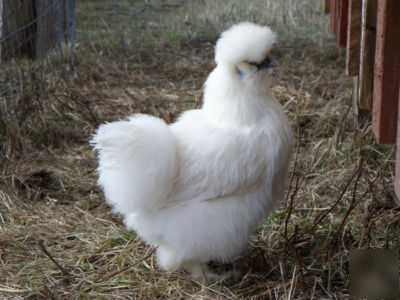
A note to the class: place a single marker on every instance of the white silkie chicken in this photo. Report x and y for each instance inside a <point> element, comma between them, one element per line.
<point>196,189</point>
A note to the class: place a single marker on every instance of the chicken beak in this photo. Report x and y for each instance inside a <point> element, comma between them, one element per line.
<point>272,64</point>
<point>267,63</point>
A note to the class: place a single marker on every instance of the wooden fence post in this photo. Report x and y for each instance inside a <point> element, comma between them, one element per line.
<point>343,15</point>
<point>353,38</point>
<point>333,19</point>
<point>16,29</point>
<point>367,56</point>
<point>397,178</point>
<point>387,72</point>
<point>49,25</point>
<point>325,6</point>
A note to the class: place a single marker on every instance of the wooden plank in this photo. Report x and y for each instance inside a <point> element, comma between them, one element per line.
<point>387,72</point>
<point>367,54</point>
<point>1,24</point>
<point>397,177</point>
<point>353,38</point>
<point>333,20</point>
<point>325,6</point>
<point>342,18</point>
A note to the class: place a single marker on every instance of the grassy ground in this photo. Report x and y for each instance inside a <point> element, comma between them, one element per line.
<point>58,238</point>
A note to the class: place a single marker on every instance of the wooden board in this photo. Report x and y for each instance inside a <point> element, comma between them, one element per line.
<point>353,38</point>
<point>397,178</point>
<point>387,72</point>
<point>341,27</point>
<point>367,54</point>
<point>333,16</point>
<point>325,6</point>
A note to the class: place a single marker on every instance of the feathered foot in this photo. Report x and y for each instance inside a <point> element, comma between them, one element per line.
<point>200,271</point>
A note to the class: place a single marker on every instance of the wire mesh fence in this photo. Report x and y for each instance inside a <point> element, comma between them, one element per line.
<point>32,35</point>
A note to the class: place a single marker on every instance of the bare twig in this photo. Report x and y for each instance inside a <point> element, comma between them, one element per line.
<point>295,160</point>
<point>299,262</point>
<point>320,217</point>
<point>299,182</point>
<point>352,205</point>
<point>47,253</point>
<point>371,223</point>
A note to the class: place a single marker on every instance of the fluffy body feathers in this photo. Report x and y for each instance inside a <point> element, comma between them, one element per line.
<point>196,188</point>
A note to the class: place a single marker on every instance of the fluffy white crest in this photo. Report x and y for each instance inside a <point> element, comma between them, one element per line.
<point>244,42</point>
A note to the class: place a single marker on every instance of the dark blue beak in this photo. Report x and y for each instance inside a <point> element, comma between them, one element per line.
<point>272,64</point>
<point>267,63</point>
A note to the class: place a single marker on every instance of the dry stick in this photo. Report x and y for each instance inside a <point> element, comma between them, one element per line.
<point>64,105</point>
<point>101,279</point>
<point>292,285</point>
<point>296,155</point>
<point>349,210</point>
<point>86,105</point>
<point>299,262</point>
<point>295,160</point>
<point>89,110</point>
<point>91,113</point>
<point>369,228</point>
<point>13,291</point>
<point>342,125</point>
<point>335,238</point>
<point>289,213</point>
<point>292,245</point>
<point>323,215</point>
<point>61,268</point>
<point>298,185</point>
<point>354,202</point>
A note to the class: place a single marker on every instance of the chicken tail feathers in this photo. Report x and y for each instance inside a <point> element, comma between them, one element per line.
<point>136,162</point>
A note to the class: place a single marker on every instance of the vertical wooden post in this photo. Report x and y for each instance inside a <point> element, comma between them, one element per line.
<point>14,16</point>
<point>338,20</point>
<point>1,27</point>
<point>353,38</point>
<point>341,29</point>
<point>333,19</point>
<point>387,72</point>
<point>353,47</point>
<point>325,6</point>
<point>397,178</point>
<point>367,56</point>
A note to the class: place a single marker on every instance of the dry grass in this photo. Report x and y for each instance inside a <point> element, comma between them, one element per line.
<point>58,238</point>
